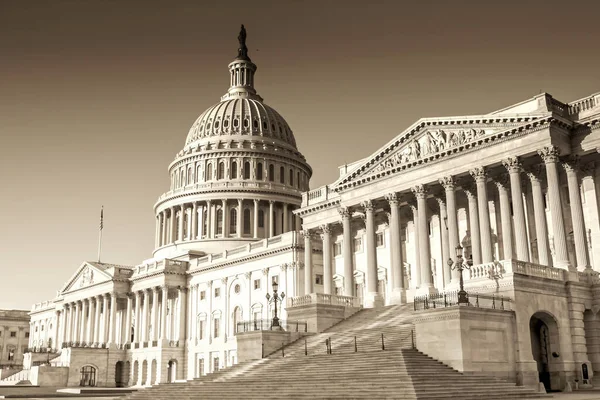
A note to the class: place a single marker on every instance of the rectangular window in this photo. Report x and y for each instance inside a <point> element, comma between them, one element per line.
<point>380,242</point>
<point>357,245</point>
<point>201,367</point>
<point>217,323</point>
<point>217,292</point>
<point>338,291</point>
<point>13,334</point>
<point>26,334</point>
<point>275,279</point>
<point>201,330</point>
<point>318,279</point>
<point>216,364</point>
<point>256,284</point>
<point>337,249</point>
<point>203,295</point>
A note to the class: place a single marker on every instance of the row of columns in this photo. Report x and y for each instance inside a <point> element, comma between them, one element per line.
<point>92,320</point>
<point>479,225</point>
<point>191,224</point>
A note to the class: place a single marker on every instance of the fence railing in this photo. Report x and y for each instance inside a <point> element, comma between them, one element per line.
<point>322,298</point>
<point>450,299</point>
<point>83,345</point>
<point>39,350</point>
<point>267,325</point>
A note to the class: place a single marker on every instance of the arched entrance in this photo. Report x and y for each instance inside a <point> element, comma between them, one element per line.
<point>171,371</point>
<point>545,348</point>
<point>144,372</point>
<point>237,317</point>
<point>153,372</point>
<point>119,374</point>
<point>135,372</point>
<point>87,376</point>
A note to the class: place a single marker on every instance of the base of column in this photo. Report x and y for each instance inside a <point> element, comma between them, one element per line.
<point>398,296</point>
<point>373,300</point>
<point>426,291</point>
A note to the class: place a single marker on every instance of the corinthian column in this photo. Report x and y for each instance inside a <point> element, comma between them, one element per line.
<point>346,215</point>
<point>420,192</point>
<point>90,327</point>
<point>487,255</point>
<point>113,319</point>
<point>145,298</point>
<point>505,217</point>
<point>327,268</point>
<point>571,166</point>
<point>416,275</point>
<point>474,225</point>
<point>255,222</point>
<point>513,166</point>
<point>194,231</point>
<point>127,324</point>
<point>308,264</point>
<point>453,240</point>
<point>173,226</point>
<point>271,218</point>
<point>374,299</point>
<point>163,312</point>
<point>97,300</point>
<point>240,219</point>
<point>396,271</point>
<point>550,156</point>
<point>447,270</point>
<point>539,210</point>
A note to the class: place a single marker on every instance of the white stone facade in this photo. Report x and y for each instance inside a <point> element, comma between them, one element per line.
<point>518,188</point>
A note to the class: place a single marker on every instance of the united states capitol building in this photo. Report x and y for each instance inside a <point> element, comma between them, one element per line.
<point>516,190</point>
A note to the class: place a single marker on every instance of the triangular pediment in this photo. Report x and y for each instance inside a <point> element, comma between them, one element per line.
<point>432,139</point>
<point>87,274</point>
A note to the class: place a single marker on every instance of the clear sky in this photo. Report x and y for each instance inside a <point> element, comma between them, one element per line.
<point>96,98</point>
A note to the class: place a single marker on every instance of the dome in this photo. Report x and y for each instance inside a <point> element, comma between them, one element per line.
<point>243,116</point>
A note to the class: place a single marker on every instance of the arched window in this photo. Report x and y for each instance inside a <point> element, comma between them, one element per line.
<point>205,222</point>
<point>291,177</point>
<point>208,172</point>
<point>261,219</point>
<point>190,177</point>
<point>234,170</point>
<point>182,177</point>
<point>176,180</point>
<point>233,221</point>
<point>259,171</point>
<point>271,173</point>
<point>219,221</point>
<point>247,221</point>
<point>198,173</point>
<point>246,170</point>
<point>221,171</point>
<point>237,317</point>
<point>281,175</point>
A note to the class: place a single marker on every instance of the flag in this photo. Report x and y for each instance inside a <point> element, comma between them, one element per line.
<point>102,218</point>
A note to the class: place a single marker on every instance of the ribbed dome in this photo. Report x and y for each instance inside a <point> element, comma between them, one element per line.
<point>239,117</point>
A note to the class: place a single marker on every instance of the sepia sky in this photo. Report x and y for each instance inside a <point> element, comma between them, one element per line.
<point>96,98</point>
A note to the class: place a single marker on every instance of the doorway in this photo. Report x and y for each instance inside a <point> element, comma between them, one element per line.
<point>87,376</point>
<point>544,347</point>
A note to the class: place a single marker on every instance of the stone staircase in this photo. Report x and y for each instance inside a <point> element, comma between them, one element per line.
<point>372,357</point>
<point>19,378</point>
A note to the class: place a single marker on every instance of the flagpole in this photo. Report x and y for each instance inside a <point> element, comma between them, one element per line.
<point>100,236</point>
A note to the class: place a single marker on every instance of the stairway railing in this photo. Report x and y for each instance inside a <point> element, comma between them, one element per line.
<point>450,299</point>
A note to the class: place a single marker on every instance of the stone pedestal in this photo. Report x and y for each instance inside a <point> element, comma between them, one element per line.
<point>258,344</point>
<point>398,296</point>
<point>320,316</point>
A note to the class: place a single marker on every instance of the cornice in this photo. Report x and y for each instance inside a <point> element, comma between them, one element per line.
<point>317,207</point>
<point>481,142</point>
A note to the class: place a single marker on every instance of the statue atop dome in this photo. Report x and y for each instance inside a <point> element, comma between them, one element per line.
<point>242,50</point>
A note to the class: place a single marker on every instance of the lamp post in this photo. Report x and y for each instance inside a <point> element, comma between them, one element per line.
<point>459,265</point>
<point>274,299</point>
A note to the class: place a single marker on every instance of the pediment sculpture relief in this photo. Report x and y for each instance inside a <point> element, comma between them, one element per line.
<point>430,142</point>
<point>87,277</point>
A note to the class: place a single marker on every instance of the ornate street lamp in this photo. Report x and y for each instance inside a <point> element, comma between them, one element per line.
<point>274,299</point>
<point>459,265</point>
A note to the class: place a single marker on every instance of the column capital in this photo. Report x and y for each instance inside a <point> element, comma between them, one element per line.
<point>265,271</point>
<point>535,173</point>
<point>224,280</point>
<point>501,181</point>
<point>271,202</point>
<point>420,191</point>
<point>512,164</point>
<point>306,234</point>
<point>479,174</point>
<point>155,289</point>
<point>393,199</point>
<point>571,164</point>
<point>325,230</point>
<point>549,154</point>
<point>448,182</point>
<point>345,212</point>
<point>367,206</point>
<point>256,201</point>
<point>470,190</point>
<point>284,266</point>
<point>440,197</point>
<point>248,275</point>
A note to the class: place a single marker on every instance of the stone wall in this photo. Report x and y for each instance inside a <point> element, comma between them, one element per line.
<point>49,376</point>
<point>469,339</point>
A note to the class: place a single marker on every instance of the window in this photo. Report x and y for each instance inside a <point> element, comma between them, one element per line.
<point>291,177</point>
<point>275,279</point>
<point>281,175</point>
<point>208,172</point>
<point>246,123</point>
<point>217,292</point>
<point>259,171</point>
<point>318,279</point>
<point>221,171</point>
<point>36,328</point>
<point>26,334</point>
<point>247,221</point>
<point>13,334</point>
<point>236,122</point>
<point>42,328</point>
<point>271,173</point>
<point>298,179</point>
<point>380,242</point>
<point>255,124</point>
<point>256,284</point>
<point>217,323</point>
<point>219,222</point>
<point>190,176</point>
<point>201,362</point>
<point>237,289</point>
<point>11,354</point>
<point>216,363</point>
<point>338,291</point>
<point>246,170</point>
<point>357,244</point>
<point>201,329</point>
<point>226,123</point>
<point>337,249</point>
<point>261,219</point>
<point>233,221</point>
<point>234,170</point>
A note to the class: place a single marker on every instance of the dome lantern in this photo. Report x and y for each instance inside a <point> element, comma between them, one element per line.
<point>241,70</point>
